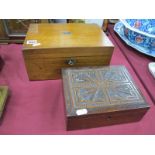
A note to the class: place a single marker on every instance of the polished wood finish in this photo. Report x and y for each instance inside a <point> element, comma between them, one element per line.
<point>110,118</point>
<point>3,97</point>
<point>98,96</point>
<point>56,45</point>
<point>66,35</point>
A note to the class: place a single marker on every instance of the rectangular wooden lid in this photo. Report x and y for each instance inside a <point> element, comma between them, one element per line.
<point>65,35</point>
<point>94,90</point>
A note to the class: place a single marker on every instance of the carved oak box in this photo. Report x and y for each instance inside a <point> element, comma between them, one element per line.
<point>49,47</point>
<point>98,96</point>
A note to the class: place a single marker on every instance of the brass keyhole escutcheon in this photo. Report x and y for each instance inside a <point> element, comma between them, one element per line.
<point>71,61</point>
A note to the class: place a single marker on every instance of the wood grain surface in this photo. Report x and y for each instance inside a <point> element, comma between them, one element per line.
<point>56,44</point>
<point>66,35</point>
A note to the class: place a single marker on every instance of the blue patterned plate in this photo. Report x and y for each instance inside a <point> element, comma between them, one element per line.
<point>119,29</point>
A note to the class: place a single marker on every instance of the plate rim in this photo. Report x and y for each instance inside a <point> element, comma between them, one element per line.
<point>128,42</point>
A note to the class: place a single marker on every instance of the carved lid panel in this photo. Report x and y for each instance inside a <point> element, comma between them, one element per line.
<point>100,89</point>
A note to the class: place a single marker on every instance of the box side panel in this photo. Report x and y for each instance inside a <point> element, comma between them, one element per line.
<point>47,63</point>
<point>111,118</point>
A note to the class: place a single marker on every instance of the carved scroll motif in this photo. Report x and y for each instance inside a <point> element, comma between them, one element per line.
<point>97,87</point>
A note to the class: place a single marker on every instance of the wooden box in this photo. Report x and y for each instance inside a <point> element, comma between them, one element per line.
<point>50,47</point>
<point>98,96</point>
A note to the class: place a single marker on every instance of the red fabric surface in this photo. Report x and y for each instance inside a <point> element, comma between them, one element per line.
<point>37,107</point>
